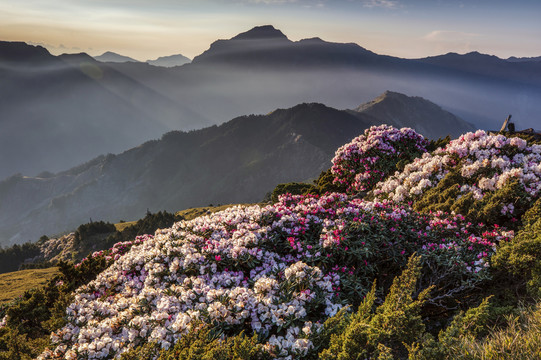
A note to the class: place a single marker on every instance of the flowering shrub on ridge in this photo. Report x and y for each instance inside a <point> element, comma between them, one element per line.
<point>489,178</point>
<point>371,157</point>
<point>280,271</point>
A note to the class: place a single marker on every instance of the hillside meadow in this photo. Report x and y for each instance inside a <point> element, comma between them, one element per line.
<point>14,284</point>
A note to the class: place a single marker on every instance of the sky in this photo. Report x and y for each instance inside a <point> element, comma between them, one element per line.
<point>147,29</point>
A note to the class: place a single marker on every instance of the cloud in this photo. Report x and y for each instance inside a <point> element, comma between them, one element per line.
<point>450,36</point>
<point>389,4</point>
<point>54,49</point>
<point>271,2</point>
<point>448,40</point>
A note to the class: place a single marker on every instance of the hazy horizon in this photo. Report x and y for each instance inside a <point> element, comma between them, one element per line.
<point>147,30</point>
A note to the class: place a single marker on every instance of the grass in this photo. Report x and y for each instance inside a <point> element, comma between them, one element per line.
<point>121,226</point>
<point>15,283</point>
<point>520,340</point>
<point>192,213</point>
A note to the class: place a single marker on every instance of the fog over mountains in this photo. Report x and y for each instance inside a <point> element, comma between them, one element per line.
<point>59,111</point>
<point>238,161</point>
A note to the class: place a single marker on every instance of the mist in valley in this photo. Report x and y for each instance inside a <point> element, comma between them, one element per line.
<point>58,112</point>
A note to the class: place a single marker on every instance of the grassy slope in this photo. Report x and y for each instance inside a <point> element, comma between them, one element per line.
<point>15,283</point>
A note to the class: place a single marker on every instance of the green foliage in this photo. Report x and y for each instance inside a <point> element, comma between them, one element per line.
<point>470,324</point>
<point>11,258</point>
<point>293,188</point>
<point>519,340</point>
<point>440,143</point>
<point>91,229</point>
<point>522,255</point>
<point>395,330</point>
<point>529,137</point>
<point>147,225</point>
<point>325,183</point>
<point>443,197</point>
<point>16,346</point>
<point>201,343</point>
<point>386,332</point>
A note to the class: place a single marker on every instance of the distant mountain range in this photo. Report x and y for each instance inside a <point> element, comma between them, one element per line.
<point>110,56</point>
<point>238,161</point>
<point>170,61</point>
<point>524,59</point>
<point>57,112</point>
<point>165,61</point>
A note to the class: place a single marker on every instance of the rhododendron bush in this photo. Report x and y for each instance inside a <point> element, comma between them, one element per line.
<point>488,178</point>
<point>369,158</point>
<point>278,271</point>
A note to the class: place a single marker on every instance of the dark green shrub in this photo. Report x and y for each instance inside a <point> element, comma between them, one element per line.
<point>522,255</point>
<point>12,257</point>
<point>387,331</point>
<point>203,344</point>
<point>293,188</point>
<point>440,143</point>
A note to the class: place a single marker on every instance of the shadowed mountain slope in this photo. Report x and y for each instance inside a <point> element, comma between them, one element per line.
<point>57,111</point>
<point>425,117</point>
<point>77,108</point>
<point>236,162</point>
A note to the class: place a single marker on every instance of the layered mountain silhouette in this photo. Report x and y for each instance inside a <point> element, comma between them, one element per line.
<point>266,46</point>
<point>59,111</point>
<point>169,61</point>
<point>523,59</point>
<point>238,161</point>
<point>110,56</point>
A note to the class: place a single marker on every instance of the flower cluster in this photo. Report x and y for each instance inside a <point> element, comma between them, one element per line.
<point>278,270</point>
<point>369,158</point>
<point>482,164</point>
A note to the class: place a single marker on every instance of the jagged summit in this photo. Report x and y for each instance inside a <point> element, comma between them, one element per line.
<point>261,32</point>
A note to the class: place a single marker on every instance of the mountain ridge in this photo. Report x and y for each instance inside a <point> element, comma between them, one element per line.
<point>243,159</point>
<point>170,60</point>
<point>110,56</point>
<point>425,117</point>
<point>119,105</point>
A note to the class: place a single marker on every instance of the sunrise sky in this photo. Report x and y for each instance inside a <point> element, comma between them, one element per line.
<point>146,29</point>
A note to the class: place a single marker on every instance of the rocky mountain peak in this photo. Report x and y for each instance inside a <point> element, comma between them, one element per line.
<point>261,33</point>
